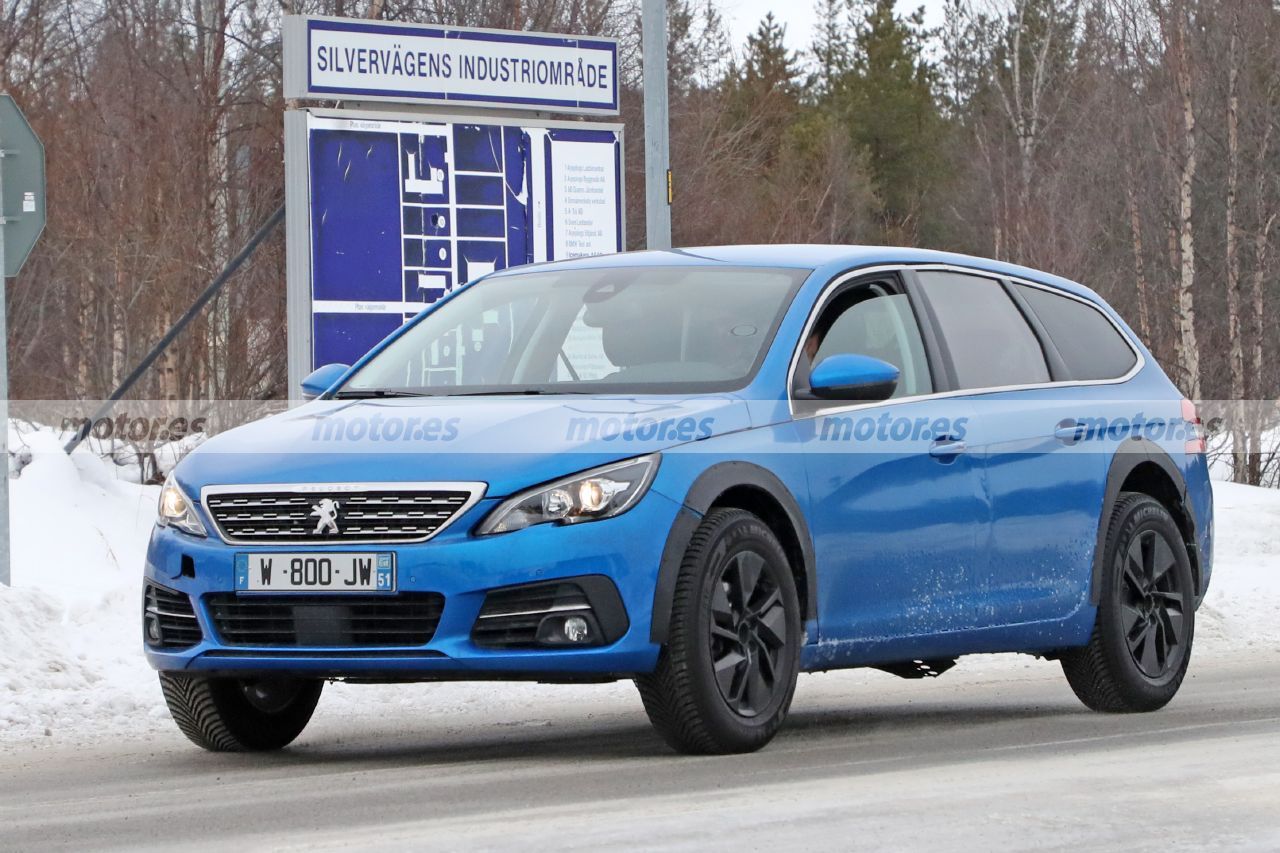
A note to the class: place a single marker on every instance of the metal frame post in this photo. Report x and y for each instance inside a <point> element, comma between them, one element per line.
<point>657,153</point>
<point>297,252</point>
<point>5,577</point>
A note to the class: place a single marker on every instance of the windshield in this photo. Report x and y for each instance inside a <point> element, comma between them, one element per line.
<point>624,330</point>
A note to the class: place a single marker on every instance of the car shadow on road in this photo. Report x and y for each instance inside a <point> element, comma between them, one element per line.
<point>907,728</point>
<point>913,718</point>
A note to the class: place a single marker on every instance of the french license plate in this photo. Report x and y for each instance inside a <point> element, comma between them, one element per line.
<point>316,572</point>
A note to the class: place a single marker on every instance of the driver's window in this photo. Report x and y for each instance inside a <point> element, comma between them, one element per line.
<point>475,353</point>
<point>873,320</point>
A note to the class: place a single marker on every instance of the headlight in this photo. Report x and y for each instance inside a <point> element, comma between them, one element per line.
<point>177,511</point>
<point>590,496</point>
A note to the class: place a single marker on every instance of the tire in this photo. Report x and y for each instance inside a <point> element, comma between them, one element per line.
<point>240,715</point>
<point>1141,643</point>
<point>756,639</point>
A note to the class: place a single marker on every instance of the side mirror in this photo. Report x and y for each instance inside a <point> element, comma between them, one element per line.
<point>853,377</point>
<point>321,379</point>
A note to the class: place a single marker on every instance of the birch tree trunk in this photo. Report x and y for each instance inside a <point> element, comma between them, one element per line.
<point>1139,265</point>
<point>1261,258</point>
<point>1188,347</point>
<point>1235,355</point>
<point>1023,100</point>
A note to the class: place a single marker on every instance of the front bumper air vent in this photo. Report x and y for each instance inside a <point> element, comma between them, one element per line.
<point>337,621</point>
<point>168,619</point>
<point>575,612</point>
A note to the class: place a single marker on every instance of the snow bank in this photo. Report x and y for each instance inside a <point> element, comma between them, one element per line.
<point>1242,609</point>
<point>69,635</point>
<point>71,665</point>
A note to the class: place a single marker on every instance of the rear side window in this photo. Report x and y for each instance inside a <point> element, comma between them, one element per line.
<point>1090,345</point>
<point>990,343</point>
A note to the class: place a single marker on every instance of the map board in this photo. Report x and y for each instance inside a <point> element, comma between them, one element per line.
<point>398,211</point>
<point>428,177</point>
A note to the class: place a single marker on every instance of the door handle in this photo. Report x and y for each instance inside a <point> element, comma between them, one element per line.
<point>1069,431</point>
<point>944,447</point>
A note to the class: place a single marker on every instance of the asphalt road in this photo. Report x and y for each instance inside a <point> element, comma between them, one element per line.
<point>1000,757</point>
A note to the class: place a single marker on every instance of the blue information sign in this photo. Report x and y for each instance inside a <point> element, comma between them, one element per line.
<point>365,60</point>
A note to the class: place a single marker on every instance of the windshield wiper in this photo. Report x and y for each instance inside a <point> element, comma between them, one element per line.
<point>370,393</point>
<point>516,392</point>
<point>373,393</point>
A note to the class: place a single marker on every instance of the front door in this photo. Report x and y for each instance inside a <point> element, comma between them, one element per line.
<point>897,504</point>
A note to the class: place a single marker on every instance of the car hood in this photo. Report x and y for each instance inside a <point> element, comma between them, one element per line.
<point>509,443</point>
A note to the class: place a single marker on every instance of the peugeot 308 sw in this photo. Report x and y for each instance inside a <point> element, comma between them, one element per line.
<point>705,470</point>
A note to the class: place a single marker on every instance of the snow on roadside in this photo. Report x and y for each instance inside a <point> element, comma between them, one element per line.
<point>71,663</point>
<point>1242,609</point>
<point>71,666</point>
<point>69,636</point>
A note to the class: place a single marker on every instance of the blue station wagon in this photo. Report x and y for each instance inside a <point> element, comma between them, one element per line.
<point>706,470</point>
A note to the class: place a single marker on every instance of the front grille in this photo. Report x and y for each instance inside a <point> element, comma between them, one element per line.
<point>168,619</point>
<point>407,619</point>
<point>315,515</point>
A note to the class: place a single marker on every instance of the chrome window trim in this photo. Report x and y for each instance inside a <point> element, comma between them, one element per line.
<point>476,491</point>
<point>844,278</point>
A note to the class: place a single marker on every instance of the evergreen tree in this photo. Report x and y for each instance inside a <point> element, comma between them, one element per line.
<point>764,93</point>
<point>769,67</point>
<point>891,109</point>
<point>831,47</point>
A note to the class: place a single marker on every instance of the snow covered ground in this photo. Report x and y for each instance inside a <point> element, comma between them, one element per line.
<point>71,669</point>
<point>71,665</point>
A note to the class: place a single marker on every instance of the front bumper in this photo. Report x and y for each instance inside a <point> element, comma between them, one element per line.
<point>463,569</point>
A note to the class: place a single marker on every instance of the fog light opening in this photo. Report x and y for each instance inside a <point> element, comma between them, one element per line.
<point>573,613</point>
<point>576,629</point>
<point>153,628</point>
<point>572,629</point>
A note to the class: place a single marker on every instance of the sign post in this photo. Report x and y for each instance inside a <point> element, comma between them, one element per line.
<point>657,154</point>
<point>21,221</point>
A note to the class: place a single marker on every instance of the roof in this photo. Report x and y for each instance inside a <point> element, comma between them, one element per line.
<point>828,259</point>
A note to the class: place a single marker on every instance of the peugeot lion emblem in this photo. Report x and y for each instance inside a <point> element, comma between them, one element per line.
<point>327,512</point>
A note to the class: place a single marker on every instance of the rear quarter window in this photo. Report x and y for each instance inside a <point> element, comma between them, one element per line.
<point>1089,343</point>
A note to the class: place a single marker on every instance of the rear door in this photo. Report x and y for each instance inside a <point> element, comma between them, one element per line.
<point>1079,424</point>
<point>1043,483</point>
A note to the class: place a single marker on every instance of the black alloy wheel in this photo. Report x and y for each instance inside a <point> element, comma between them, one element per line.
<point>747,634</point>
<point>1152,608</point>
<point>725,677</point>
<point>1140,647</point>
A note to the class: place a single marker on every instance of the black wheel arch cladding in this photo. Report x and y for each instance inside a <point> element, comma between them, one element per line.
<point>711,485</point>
<point>1134,453</point>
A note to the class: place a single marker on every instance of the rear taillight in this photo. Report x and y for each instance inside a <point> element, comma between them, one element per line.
<point>1195,429</point>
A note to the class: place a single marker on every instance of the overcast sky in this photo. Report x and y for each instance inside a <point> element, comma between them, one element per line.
<point>742,16</point>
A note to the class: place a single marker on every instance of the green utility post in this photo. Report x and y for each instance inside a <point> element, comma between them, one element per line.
<point>21,221</point>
